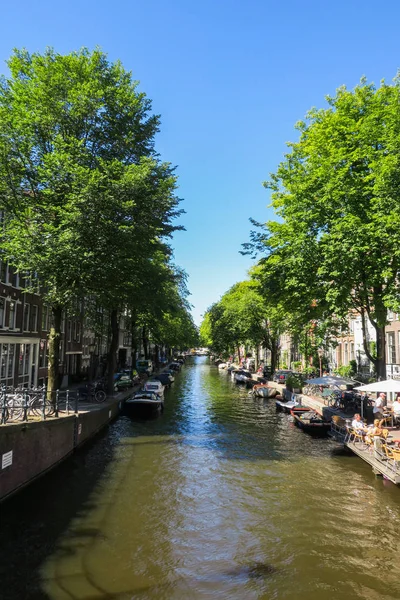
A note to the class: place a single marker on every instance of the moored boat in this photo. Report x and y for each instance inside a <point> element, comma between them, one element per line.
<point>264,391</point>
<point>154,386</point>
<point>242,376</point>
<point>310,421</point>
<point>143,401</point>
<point>287,406</point>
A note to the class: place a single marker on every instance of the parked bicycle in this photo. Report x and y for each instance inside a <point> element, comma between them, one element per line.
<point>93,392</point>
<point>20,403</point>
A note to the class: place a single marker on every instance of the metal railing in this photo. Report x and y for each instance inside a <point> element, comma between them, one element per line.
<point>33,404</point>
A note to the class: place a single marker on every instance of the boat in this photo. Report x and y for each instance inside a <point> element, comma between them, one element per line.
<point>264,391</point>
<point>241,376</point>
<point>222,365</point>
<point>171,374</point>
<point>287,406</point>
<point>310,421</point>
<point>154,386</point>
<point>250,382</point>
<point>142,400</point>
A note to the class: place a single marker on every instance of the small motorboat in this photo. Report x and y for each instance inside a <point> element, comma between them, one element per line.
<point>145,401</point>
<point>310,421</point>
<point>171,373</point>
<point>222,365</point>
<point>154,386</point>
<point>241,376</point>
<point>287,406</point>
<point>264,391</point>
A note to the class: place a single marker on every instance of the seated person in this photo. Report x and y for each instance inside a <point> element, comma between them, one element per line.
<point>396,409</point>
<point>375,430</point>
<point>358,424</point>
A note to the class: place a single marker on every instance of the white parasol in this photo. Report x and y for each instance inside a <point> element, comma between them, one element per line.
<point>388,385</point>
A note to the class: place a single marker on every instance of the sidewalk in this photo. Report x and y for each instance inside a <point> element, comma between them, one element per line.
<point>89,406</point>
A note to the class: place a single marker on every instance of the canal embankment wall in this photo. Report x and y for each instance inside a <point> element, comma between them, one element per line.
<point>29,449</point>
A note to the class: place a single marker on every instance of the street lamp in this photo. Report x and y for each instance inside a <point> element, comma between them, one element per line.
<point>320,355</point>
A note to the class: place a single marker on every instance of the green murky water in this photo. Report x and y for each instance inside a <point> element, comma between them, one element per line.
<point>220,497</point>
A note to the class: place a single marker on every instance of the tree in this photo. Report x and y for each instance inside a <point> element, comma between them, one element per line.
<point>87,200</point>
<point>336,194</point>
<point>242,316</point>
<point>165,315</point>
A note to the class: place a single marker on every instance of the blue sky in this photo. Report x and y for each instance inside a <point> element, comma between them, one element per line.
<point>230,79</point>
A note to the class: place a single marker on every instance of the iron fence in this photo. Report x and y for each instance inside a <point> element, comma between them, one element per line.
<point>33,404</point>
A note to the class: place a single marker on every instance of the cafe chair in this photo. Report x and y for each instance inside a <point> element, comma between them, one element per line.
<point>385,434</point>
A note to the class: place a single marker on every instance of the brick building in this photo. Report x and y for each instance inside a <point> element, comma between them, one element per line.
<point>24,327</point>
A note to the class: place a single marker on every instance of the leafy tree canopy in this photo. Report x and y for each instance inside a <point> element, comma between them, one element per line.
<point>336,194</point>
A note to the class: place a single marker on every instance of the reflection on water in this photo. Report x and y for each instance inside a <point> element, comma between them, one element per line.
<point>219,497</point>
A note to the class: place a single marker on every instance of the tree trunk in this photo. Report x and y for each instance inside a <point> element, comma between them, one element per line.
<point>156,352</point>
<point>238,349</point>
<point>380,364</point>
<point>274,355</point>
<point>112,353</point>
<point>134,348</point>
<point>256,357</point>
<point>379,361</point>
<point>145,342</point>
<point>54,353</point>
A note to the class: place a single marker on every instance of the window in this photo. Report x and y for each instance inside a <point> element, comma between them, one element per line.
<point>26,316</point>
<point>21,359</point>
<point>352,356</point>
<point>11,356</point>
<point>7,362</point>
<point>45,318</point>
<point>43,354</point>
<point>391,348</point>
<point>69,331</point>
<point>26,358</point>
<point>3,361</point>
<point>2,312</point>
<point>11,315</point>
<point>127,339</point>
<point>78,332</point>
<point>390,315</point>
<point>74,331</point>
<point>34,317</point>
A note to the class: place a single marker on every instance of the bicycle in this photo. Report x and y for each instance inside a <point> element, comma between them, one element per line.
<point>18,403</point>
<point>93,392</point>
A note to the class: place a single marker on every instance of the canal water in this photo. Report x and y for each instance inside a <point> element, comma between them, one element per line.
<point>220,497</point>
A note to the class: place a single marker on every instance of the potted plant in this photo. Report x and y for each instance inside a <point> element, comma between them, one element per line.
<point>294,384</point>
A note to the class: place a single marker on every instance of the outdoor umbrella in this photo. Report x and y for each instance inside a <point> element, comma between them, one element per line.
<point>389,385</point>
<point>331,380</point>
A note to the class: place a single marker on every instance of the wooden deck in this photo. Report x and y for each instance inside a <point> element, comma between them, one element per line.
<point>381,465</point>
